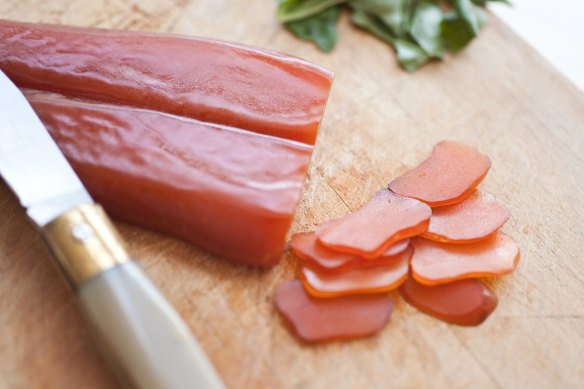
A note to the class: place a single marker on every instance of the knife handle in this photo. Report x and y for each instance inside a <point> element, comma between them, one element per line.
<point>144,338</point>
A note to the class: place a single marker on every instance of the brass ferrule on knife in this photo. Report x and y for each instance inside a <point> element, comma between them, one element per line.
<point>85,243</point>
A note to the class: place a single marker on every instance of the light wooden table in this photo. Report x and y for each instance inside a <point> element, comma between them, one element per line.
<point>499,95</point>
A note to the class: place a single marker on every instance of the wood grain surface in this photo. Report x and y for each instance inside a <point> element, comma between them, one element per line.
<point>499,95</point>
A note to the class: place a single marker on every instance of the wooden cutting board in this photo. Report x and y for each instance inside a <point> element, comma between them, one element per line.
<point>499,95</point>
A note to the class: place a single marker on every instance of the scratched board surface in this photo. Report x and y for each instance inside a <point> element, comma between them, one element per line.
<point>498,95</point>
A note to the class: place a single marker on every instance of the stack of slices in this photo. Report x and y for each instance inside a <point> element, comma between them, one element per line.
<point>431,234</point>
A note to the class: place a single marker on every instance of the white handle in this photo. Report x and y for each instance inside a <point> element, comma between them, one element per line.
<point>150,344</point>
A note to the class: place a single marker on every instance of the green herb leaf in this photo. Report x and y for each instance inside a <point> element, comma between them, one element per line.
<point>467,12</point>
<point>425,28</point>
<point>319,28</point>
<point>418,30</point>
<point>292,10</point>
<point>482,3</point>
<point>482,16</point>
<point>456,33</point>
<point>393,13</point>
<point>460,28</point>
<point>409,55</point>
<point>373,25</point>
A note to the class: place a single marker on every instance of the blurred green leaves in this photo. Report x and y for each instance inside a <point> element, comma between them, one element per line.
<point>295,10</point>
<point>418,30</point>
<point>425,28</point>
<point>319,28</point>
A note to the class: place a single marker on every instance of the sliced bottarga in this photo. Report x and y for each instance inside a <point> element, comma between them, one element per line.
<point>345,317</point>
<point>378,279</point>
<point>212,81</point>
<point>438,263</point>
<point>475,218</point>
<point>466,302</point>
<point>307,247</point>
<point>448,176</point>
<point>386,219</point>
<point>205,140</point>
<point>228,191</point>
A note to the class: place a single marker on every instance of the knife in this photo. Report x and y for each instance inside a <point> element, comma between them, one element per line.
<point>142,336</point>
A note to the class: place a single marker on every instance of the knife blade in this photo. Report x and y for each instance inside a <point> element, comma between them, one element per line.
<point>140,333</point>
<point>31,163</point>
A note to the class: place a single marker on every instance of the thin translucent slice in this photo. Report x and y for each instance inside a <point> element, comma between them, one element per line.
<point>331,319</point>
<point>386,219</point>
<point>396,248</point>
<point>465,302</point>
<point>307,247</point>
<point>475,218</point>
<point>438,263</point>
<point>451,173</point>
<point>367,280</point>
